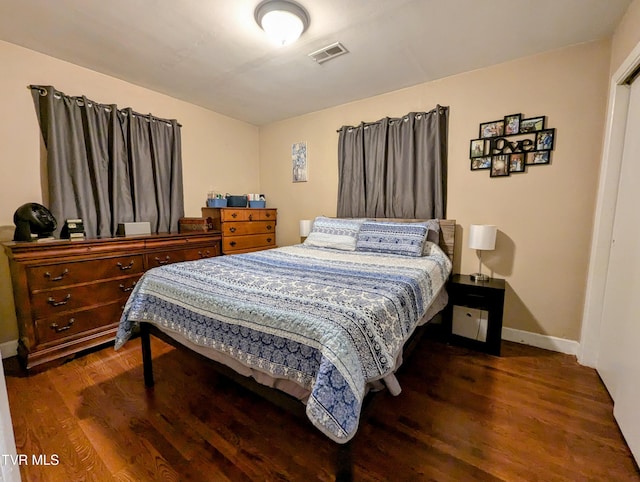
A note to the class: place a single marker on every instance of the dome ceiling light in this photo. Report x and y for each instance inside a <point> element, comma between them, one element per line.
<point>282,20</point>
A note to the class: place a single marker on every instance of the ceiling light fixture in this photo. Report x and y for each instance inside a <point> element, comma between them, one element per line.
<point>282,20</point>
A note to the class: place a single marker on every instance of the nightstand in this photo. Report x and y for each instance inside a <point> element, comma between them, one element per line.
<point>487,296</point>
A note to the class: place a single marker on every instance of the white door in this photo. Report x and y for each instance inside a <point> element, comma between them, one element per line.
<point>619,359</point>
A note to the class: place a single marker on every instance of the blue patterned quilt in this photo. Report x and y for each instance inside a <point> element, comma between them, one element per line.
<point>331,321</point>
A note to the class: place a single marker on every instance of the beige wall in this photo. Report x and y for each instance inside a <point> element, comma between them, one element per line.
<point>217,151</point>
<point>544,216</point>
<point>626,36</point>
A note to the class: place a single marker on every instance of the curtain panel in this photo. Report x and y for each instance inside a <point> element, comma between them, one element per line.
<point>395,168</point>
<point>109,166</point>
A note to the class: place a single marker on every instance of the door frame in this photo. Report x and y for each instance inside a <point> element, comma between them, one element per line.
<point>616,124</point>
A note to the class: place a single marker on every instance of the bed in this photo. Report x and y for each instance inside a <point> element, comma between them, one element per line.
<point>325,321</point>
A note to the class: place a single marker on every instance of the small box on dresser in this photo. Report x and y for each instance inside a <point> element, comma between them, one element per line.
<point>244,229</point>
<point>69,295</point>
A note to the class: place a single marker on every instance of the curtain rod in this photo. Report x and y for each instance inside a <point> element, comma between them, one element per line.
<point>43,92</point>
<point>367,124</point>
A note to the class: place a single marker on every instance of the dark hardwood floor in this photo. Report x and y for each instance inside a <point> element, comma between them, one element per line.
<point>528,415</point>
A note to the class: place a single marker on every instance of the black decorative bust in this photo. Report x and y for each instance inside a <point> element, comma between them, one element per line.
<point>33,221</point>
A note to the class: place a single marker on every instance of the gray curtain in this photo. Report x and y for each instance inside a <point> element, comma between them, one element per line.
<point>394,167</point>
<point>109,166</point>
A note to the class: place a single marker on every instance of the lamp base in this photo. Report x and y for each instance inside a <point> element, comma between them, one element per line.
<point>479,277</point>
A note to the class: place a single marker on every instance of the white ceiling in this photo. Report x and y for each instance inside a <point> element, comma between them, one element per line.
<point>212,53</point>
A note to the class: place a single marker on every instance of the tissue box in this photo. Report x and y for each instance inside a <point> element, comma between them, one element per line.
<point>257,204</point>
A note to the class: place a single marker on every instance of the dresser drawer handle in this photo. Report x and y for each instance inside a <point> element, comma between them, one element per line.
<point>268,215</point>
<point>269,227</point>
<point>126,289</point>
<point>268,240</point>
<point>232,243</point>
<point>57,278</point>
<point>163,261</point>
<point>58,329</point>
<point>124,268</point>
<point>233,230</point>
<point>206,254</point>
<point>250,217</point>
<point>64,301</point>
<point>234,215</point>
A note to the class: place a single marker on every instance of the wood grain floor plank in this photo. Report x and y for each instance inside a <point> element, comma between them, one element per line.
<point>528,415</point>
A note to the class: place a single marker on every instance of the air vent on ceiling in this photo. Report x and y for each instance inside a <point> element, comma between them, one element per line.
<point>329,52</point>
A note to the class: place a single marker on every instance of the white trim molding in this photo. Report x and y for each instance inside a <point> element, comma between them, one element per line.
<point>615,127</point>
<point>561,345</point>
<point>9,349</point>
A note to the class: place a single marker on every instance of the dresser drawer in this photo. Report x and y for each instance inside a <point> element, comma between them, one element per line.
<point>70,273</point>
<point>179,255</point>
<point>71,324</point>
<point>240,214</point>
<point>53,302</point>
<point>266,215</point>
<point>249,227</point>
<point>235,243</point>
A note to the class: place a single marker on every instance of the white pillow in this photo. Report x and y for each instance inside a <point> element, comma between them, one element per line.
<point>334,233</point>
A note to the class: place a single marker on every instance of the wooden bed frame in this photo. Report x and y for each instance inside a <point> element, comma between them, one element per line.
<point>344,462</point>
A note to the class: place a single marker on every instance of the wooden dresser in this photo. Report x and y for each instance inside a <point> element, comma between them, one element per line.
<point>69,295</point>
<point>244,229</point>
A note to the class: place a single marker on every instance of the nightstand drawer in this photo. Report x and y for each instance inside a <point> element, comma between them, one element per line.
<point>472,300</point>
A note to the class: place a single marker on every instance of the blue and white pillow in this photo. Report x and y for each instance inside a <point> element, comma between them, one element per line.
<point>334,233</point>
<point>406,239</point>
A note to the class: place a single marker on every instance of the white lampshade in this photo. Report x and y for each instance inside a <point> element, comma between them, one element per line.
<point>482,236</point>
<point>305,228</point>
<point>282,20</point>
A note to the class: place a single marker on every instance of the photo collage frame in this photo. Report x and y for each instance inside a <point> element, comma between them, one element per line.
<point>511,144</point>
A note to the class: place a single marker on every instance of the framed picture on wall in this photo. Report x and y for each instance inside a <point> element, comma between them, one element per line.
<point>299,162</point>
<point>537,157</point>
<point>478,163</point>
<point>533,124</point>
<point>516,162</point>
<point>478,147</point>
<point>512,124</point>
<point>544,140</point>
<point>492,129</point>
<point>499,166</point>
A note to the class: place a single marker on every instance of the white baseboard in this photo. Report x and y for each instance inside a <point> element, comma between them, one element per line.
<point>9,349</point>
<point>569,347</point>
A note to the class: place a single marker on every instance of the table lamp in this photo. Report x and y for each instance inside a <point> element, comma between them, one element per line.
<point>482,237</point>
<point>305,229</point>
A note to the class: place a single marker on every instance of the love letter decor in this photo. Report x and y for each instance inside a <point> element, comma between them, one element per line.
<point>507,146</point>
